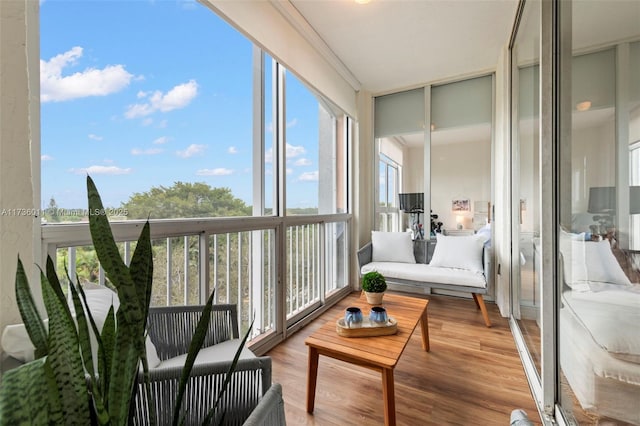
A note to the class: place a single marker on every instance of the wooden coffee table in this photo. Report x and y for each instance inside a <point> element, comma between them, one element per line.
<point>380,353</point>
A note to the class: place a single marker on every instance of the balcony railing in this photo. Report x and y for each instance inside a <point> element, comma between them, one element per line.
<point>235,257</point>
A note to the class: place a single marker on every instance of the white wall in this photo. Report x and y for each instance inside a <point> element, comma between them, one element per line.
<point>413,170</point>
<point>459,171</point>
<point>19,150</point>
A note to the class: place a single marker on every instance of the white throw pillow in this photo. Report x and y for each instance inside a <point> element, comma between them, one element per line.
<point>99,301</point>
<point>461,252</point>
<point>392,247</point>
<point>593,261</point>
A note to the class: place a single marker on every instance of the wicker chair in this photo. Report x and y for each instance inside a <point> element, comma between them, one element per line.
<point>250,388</point>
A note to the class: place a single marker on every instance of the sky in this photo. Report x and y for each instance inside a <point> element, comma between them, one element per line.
<point>144,93</point>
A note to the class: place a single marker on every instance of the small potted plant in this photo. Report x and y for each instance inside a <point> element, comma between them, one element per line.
<point>374,285</point>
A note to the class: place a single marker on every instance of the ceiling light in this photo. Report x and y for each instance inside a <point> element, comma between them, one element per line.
<point>583,106</point>
<point>362,1</point>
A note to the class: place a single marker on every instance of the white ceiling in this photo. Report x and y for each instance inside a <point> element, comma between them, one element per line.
<point>388,45</point>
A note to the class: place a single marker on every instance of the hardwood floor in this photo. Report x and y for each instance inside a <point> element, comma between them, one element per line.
<point>471,376</point>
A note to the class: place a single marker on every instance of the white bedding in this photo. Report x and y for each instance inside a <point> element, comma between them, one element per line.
<point>611,316</point>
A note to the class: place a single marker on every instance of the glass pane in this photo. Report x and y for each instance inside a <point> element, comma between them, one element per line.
<point>526,285</point>
<point>268,107</point>
<point>164,130</point>
<point>461,152</point>
<point>599,281</point>
<point>312,142</point>
<point>337,256</point>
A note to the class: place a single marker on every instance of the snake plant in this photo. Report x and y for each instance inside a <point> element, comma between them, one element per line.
<point>60,386</point>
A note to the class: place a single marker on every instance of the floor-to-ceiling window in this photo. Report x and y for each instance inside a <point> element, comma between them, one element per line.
<point>461,135</point>
<point>400,147</point>
<point>199,122</point>
<point>599,279</point>
<point>575,105</point>
<point>526,265</point>
<point>389,183</point>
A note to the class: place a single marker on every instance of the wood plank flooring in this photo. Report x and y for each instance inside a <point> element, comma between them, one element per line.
<point>471,376</point>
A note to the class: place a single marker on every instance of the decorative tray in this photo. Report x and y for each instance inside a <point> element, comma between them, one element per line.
<point>367,328</point>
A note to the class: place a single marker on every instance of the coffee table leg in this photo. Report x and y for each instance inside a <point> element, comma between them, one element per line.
<point>389,397</point>
<point>312,375</point>
<point>424,325</point>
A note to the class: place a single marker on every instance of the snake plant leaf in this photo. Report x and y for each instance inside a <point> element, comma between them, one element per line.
<point>194,347</point>
<point>141,269</point>
<point>101,412</point>
<point>64,357</point>
<point>29,312</point>
<point>56,413</point>
<point>52,277</point>
<point>83,332</point>
<point>129,344</point>
<point>25,383</point>
<point>108,342</point>
<point>227,379</point>
<point>109,256</point>
<point>126,357</point>
<point>98,335</point>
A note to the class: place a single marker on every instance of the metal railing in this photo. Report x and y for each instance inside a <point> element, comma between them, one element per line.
<point>235,257</point>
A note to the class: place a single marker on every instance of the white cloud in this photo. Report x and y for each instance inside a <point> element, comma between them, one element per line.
<point>54,87</point>
<point>147,122</point>
<point>161,140</point>
<point>303,162</point>
<point>193,149</point>
<point>269,127</point>
<point>221,171</point>
<point>289,171</point>
<point>148,151</point>
<point>232,150</point>
<point>309,177</point>
<point>95,137</point>
<point>295,151</point>
<point>46,157</point>
<point>292,152</point>
<point>178,97</point>
<point>102,170</point>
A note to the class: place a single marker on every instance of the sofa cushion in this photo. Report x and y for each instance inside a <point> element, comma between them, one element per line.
<point>99,301</point>
<point>16,342</point>
<point>460,252</point>
<point>392,247</point>
<point>420,272</point>
<point>224,351</point>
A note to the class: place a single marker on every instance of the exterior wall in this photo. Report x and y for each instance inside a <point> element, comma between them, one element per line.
<point>19,151</point>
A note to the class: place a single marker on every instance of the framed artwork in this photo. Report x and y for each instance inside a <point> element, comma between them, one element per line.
<point>461,205</point>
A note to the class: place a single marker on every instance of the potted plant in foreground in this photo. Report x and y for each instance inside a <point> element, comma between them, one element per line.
<point>374,285</point>
<point>61,386</point>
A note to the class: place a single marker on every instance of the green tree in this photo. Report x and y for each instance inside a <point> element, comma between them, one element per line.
<point>51,214</point>
<point>183,200</point>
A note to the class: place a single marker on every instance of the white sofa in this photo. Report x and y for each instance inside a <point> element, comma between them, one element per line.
<point>459,263</point>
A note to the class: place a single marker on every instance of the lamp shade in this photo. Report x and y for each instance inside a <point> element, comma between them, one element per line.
<point>634,200</point>
<point>602,199</point>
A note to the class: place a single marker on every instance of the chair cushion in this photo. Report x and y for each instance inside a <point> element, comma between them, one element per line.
<point>224,351</point>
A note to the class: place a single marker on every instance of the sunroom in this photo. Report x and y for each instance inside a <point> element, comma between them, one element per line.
<point>269,138</point>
